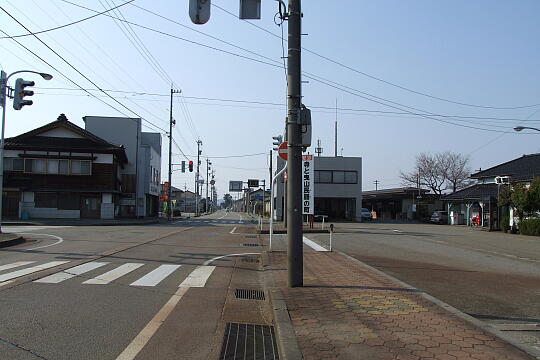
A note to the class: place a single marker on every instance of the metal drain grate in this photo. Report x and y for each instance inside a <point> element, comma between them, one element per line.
<point>249,341</point>
<point>250,260</point>
<point>249,294</point>
<point>251,236</point>
<point>250,244</point>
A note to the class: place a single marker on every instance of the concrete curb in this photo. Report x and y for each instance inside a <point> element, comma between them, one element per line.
<point>487,328</point>
<point>11,242</point>
<point>287,343</point>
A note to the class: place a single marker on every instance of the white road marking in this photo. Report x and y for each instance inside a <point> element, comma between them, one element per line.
<point>155,276</point>
<point>224,256</point>
<point>70,273</point>
<point>200,274</point>
<point>15,264</point>
<point>397,231</point>
<point>58,238</point>
<point>19,229</point>
<point>30,270</point>
<point>232,231</point>
<point>222,216</point>
<point>198,277</point>
<point>6,283</point>
<point>114,274</point>
<point>313,245</point>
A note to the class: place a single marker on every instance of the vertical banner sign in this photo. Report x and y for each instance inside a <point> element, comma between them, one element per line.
<point>308,196</point>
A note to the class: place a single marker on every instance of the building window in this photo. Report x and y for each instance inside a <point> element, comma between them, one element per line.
<point>63,167</point>
<point>18,165</point>
<point>45,200</point>
<point>338,177</point>
<point>80,167</point>
<point>351,177</point>
<point>28,165</point>
<point>324,176</point>
<point>52,167</point>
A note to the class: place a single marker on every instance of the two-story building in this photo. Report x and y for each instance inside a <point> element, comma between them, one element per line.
<point>61,170</point>
<point>338,188</point>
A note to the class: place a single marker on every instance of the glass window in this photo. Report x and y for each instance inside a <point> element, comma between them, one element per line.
<point>85,167</point>
<point>75,167</point>
<point>338,177</point>
<point>52,167</point>
<point>28,165</point>
<point>63,167</point>
<point>351,177</point>
<point>45,200</point>
<point>325,176</point>
<point>39,165</point>
<point>18,164</point>
<point>8,163</point>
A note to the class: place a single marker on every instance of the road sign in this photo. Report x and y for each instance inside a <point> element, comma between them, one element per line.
<point>283,150</point>
<point>235,186</point>
<point>308,177</point>
<point>253,183</point>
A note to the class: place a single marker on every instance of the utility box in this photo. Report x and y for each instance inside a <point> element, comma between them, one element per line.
<point>305,123</point>
<point>250,9</point>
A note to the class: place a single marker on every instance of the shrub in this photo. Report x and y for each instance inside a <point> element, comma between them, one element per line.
<point>505,223</point>
<point>530,227</point>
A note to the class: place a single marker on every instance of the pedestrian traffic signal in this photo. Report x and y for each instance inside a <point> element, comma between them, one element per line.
<point>190,166</point>
<point>20,93</point>
<point>277,141</point>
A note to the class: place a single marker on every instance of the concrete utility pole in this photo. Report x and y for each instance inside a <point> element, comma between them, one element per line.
<point>335,134</point>
<point>208,163</point>
<point>270,170</point>
<point>294,164</point>
<point>197,210</point>
<point>171,123</point>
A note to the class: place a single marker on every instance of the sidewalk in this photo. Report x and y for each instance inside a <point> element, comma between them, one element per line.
<point>8,239</point>
<point>82,222</point>
<point>347,310</point>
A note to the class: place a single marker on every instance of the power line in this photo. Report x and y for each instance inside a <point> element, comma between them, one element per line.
<point>378,78</point>
<point>231,156</point>
<point>69,24</point>
<point>69,79</point>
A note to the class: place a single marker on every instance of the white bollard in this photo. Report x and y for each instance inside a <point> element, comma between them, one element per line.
<point>322,223</point>
<point>331,232</point>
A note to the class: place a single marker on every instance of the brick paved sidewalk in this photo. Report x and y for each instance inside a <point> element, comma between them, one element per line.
<point>347,311</point>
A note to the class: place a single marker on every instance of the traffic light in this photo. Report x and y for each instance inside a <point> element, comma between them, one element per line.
<point>190,166</point>
<point>20,93</point>
<point>183,166</point>
<point>277,141</point>
<point>199,11</point>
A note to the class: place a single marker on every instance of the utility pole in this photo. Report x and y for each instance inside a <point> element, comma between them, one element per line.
<point>171,123</point>
<point>335,134</point>
<point>270,170</point>
<point>208,163</point>
<point>294,164</point>
<point>197,210</point>
<point>376,182</point>
<point>318,149</point>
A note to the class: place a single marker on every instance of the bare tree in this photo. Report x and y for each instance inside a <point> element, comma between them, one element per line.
<point>427,172</point>
<point>457,170</point>
<point>439,172</point>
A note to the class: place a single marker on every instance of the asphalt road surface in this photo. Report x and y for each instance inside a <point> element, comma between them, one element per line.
<point>492,276</point>
<point>118,292</point>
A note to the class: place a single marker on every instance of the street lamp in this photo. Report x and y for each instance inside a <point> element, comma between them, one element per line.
<point>519,128</point>
<point>3,92</point>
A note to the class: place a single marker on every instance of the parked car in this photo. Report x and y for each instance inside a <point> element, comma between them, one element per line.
<point>365,214</point>
<point>439,217</point>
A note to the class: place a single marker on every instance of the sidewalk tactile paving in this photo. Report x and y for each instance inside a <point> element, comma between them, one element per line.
<point>347,311</point>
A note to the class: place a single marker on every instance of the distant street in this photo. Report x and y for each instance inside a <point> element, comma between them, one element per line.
<point>116,284</point>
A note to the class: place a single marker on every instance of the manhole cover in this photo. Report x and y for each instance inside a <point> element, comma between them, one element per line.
<point>249,294</point>
<point>249,341</point>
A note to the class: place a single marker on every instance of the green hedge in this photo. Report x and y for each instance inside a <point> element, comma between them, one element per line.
<point>505,223</point>
<point>530,227</point>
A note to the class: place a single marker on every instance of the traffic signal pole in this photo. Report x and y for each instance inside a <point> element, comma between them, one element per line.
<point>294,137</point>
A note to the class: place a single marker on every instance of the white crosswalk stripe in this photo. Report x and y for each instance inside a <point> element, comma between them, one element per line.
<point>156,276</point>
<point>70,273</point>
<point>30,270</point>
<point>15,264</point>
<point>198,277</point>
<point>114,274</point>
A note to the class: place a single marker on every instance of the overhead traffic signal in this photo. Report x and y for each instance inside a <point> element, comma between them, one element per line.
<point>190,166</point>
<point>20,93</point>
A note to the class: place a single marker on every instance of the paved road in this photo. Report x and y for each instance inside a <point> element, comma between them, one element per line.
<point>98,292</point>
<point>491,276</point>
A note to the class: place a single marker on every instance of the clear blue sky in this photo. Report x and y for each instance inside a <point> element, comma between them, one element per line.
<point>475,52</point>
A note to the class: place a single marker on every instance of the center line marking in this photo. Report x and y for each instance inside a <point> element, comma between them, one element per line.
<point>232,231</point>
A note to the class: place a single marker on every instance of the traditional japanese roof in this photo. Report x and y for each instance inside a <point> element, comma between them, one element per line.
<point>521,169</point>
<point>87,142</point>
<point>475,192</point>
